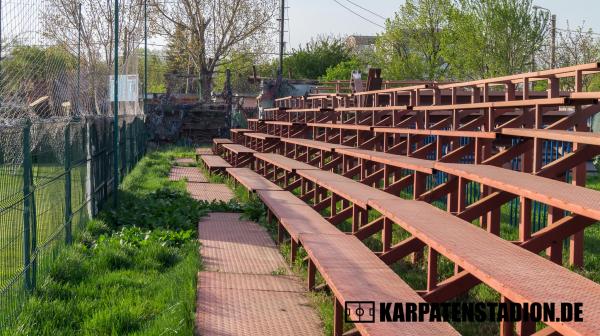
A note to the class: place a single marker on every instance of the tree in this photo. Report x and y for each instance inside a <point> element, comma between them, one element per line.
<point>488,38</point>
<point>30,73</point>
<point>157,69</point>
<point>179,63</point>
<point>312,60</point>
<point>343,70</point>
<point>240,66</point>
<point>216,29</point>
<point>411,46</point>
<point>61,27</point>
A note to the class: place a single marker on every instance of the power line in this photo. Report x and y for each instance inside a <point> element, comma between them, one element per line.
<point>360,16</point>
<point>366,9</point>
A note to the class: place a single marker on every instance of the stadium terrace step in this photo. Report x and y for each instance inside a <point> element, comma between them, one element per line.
<point>330,147</point>
<point>514,272</point>
<point>587,138</point>
<point>579,200</point>
<point>354,273</point>
<point>251,180</point>
<point>399,161</point>
<point>283,162</point>
<point>214,163</point>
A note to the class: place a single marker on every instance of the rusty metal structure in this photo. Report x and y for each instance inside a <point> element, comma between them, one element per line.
<point>439,161</point>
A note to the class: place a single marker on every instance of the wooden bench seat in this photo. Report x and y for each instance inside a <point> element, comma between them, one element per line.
<point>282,123</point>
<point>579,200</point>
<point>342,126</point>
<point>354,273</point>
<point>514,272</point>
<point>399,161</point>
<point>330,147</point>
<point>220,141</point>
<point>217,143</point>
<point>238,149</point>
<point>261,136</point>
<point>283,162</point>
<point>500,104</point>
<point>346,188</point>
<point>214,163</point>
<point>237,155</point>
<point>251,180</point>
<point>203,151</point>
<point>295,215</point>
<point>445,133</point>
<point>587,138</point>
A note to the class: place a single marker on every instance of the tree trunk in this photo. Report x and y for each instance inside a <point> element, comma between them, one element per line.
<point>205,84</point>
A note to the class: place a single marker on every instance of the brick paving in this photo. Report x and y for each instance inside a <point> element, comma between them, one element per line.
<point>192,174</point>
<point>210,192</point>
<point>185,162</point>
<point>246,287</point>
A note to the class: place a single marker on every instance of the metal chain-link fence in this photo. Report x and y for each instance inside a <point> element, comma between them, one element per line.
<point>58,154</point>
<point>49,191</point>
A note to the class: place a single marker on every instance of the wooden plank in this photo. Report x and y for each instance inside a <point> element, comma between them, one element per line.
<point>251,180</point>
<point>238,149</point>
<point>283,162</point>
<point>400,161</point>
<point>514,272</point>
<point>588,138</point>
<point>354,273</point>
<point>579,200</point>
<point>214,161</point>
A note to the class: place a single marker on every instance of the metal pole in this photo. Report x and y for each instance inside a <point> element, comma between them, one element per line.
<point>79,59</point>
<point>116,111</point>
<point>68,207</point>
<point>27,205</point>
<point>145,53</point>
<point>553,40</point>
<point>281,33</point>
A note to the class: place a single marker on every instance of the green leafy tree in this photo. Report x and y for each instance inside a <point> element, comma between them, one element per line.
<point>487,38</point>
<point>412,44</point>
<point>343,70</point>
<point>313,60</point>
<point>240,66</point>
<point>157,69</point>
<point>34,72</point>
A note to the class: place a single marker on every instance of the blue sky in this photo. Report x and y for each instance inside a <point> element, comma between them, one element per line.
<point>308,18</point>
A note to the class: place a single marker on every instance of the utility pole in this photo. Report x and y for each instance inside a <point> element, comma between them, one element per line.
<point>281,41</point>
<point>553,47</point>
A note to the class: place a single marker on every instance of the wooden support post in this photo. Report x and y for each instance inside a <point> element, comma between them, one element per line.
<point>524,219</point>
<point>506,327</point>
<point>432,269</point>
<point>555,250</point>
<point>419,186</point>
<point>293,250</point>
<point>355,218</point>
<point>311,275</point>
<point>386,235</point>
<point>338,318</point>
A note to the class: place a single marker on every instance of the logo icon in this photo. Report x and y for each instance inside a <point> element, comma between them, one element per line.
<point>359,311</point>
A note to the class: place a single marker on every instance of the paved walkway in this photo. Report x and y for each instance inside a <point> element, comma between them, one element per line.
<point>197,184</point>
<point>246,287</point>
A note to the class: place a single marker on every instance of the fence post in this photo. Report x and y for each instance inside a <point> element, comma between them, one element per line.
<point>68,210</point>
<point>27,204</point>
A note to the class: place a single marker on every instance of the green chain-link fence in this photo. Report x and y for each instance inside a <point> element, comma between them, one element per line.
<point>54,176</point>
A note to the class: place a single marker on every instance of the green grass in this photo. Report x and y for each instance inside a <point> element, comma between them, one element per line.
<point>132,271</point>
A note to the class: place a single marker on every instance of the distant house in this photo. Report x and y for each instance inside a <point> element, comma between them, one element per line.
<point>360,43</point>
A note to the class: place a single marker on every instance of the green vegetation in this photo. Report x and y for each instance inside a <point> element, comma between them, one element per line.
<point>118,276</point>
